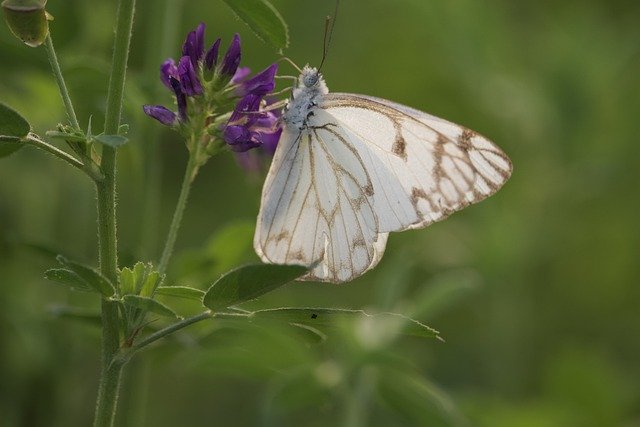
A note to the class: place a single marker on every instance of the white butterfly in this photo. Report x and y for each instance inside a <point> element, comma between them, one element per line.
<point>349,169</point>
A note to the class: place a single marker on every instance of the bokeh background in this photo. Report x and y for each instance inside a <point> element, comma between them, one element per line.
<point>535,291</point>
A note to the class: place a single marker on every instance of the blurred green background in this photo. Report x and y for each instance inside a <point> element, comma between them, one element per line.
<point>536,291</point>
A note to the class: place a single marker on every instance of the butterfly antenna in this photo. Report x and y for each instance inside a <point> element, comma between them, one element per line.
<point>329,25</point>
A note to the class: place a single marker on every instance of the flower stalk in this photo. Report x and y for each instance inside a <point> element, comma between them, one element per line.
<point>189,175</point>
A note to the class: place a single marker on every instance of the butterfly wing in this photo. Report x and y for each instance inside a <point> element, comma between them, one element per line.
<point>362,168</point>
<point>423,168</point>
<point>313,209</point>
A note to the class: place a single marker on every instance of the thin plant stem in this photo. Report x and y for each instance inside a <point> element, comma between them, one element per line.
<point>162,333</point>
<point>150,339</point>
<point>64,92</point>
<point>90,169</point>
<point>189,175</point>
<point>34,140</point>
<point>108,250</point>
<point>165,15</point>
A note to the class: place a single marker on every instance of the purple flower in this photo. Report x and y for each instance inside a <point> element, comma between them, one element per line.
<point>232,57</point>
<point>161,114</point>
<point>211,59</point>
<point>241,74</point>
<point>193,46</point>
<point>248,127</point>
<point>188,78</point>
<point>181,98</point>
<point>262,83</point>
<point>168,69</point>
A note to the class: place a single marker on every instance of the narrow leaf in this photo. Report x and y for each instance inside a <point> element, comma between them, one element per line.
<point>249,282</point>
<point>55,134</point>
<point>181,292</point>
<point>111,140</point>
<point>263,19</point>
<point>331,317</point>
<point>148,304</point>
<point>68,278</point>
<point>92,277</point>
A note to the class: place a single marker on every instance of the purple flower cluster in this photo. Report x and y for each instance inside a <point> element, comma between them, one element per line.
<point>183,78</point>
<point>199,71</point>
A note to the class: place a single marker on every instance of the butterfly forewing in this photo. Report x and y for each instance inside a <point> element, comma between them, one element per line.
<point>441,167</point>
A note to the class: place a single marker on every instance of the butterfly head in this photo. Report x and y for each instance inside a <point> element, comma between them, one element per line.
<point>311,79</point>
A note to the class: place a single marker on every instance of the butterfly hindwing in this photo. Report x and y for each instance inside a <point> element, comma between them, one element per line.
<point>314,209</point>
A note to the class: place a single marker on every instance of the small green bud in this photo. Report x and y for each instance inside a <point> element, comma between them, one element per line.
<point>27,20</point>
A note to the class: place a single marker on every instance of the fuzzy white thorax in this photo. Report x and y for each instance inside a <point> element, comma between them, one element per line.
<point>311,87</point>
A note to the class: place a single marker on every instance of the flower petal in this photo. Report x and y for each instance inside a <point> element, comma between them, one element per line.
<point>236,134</point>
<point>161,114</point>
<point>211,59</point>
<point>181,98</point>
<point>232,57</point>
<point>188,78</point>
<point>263,82</point>
<point>248,104</point>
<point>269,141</point>
<point>241,74</point>
<point>168,69</point>
<point>193,46</point>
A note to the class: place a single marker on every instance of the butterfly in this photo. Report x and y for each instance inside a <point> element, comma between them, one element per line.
<point>349,169</point>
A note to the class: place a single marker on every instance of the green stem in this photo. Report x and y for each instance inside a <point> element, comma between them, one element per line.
<point>90,169</point>
<point>166,15</point>
<point>150,339</point>
<point>57,72</point>
<point>108,249</point>
<point>189,175</point>
<point>34,140</point>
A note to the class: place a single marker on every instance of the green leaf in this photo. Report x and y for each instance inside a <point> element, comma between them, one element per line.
<point>111,140</point>
<point>13,127</point>
<point>151,281</point>
<point>127,281</point>
<point>249,282</point>
<point>8,146</point>
<point>265,21</point>
<point>92,277</point>
<point>148,304</point>
<point>55,134</point>
<point>68,278</point>
<point>181,292</point>
<point>331,317</point>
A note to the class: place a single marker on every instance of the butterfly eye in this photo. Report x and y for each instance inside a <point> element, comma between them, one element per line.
<point>310,80</point>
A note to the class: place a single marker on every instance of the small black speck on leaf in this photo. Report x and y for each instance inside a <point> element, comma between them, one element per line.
<point>314,316</point>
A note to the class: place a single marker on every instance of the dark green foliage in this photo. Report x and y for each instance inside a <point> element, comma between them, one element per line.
<point>263,19</point>
<point>249,282</point>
